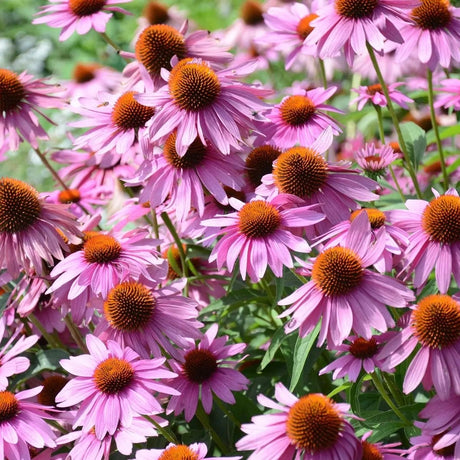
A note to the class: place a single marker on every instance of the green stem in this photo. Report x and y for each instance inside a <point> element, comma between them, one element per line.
<point>111,42</point>
<point>322,73</point>
<point>299,276</point>
<point>47,336</point>
<point>75,333</point>
<point>177,240</point>
<point>445,176</point>
<point>204,420</point>
<point>394,390</point>
<point>50,168</point>
<point>168,435</point>
<point>381,389</point>
<point>395,120</point>
<point>378,109</point>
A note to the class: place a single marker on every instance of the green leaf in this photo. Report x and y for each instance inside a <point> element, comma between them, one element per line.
<point>302,348</point>
<point>343,387</point>
<point>275,343</point>
<point>444,133</point>
<point>415,139</point>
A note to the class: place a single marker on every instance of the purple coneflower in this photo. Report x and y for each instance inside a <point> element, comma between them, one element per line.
<point>433,35</point>
<point>148,319</point>
<point>204,370</point>
<point>353,23</point>
<point>78,15</point>
<point>22,425</point>
<point>311,427</point>
<point>360,354</point>
<point>201,102</point>
<point>346,294</point>
<point>29,228</point>
<point>374,94</point>
<point>112,386</point>
<point>184,180</point>
<point>434,240</point>
<point>451,86</point>
<point>300,118</point>
<point>261,234</point>
<point>379,451</point>
<point>435,326</point>
<point>195,451</point>
<point>375,160</point>
<point>22,97</point>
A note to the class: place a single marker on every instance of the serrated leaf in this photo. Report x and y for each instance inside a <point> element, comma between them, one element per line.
<point>302,348</point>
<point>275,343</point>
<point>415,139</point>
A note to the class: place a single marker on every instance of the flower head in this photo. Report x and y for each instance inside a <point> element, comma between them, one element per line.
<point>260,233</point>
<point>435,330</point>
<point>112,386</point>
<point>78,15</point>
<point>344,292</point>
<point>201,102</point>
<point>21,98</point>
<point>309,427</point>
<point>375,160</point>
<point>204,370</point>
<point>451,86</point>
<point>374,94</point>
<point>29,228</point>
<point>195,451</point>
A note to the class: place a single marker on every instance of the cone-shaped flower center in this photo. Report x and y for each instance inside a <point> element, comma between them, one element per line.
<point>372,89</point>
<point>447,451</point>
<point>297,110</point>
<point>376,217</point>
<point>86,7</point>
<point>101,249</point>
<point>11,90</point>
<point>179,452</point>
<point>304,29</point>
<point>441,219</point>
<point>313,423</point>
<point>194,86</point>
<point>252,13</point>
<point>258,219</point>
<point>157,45</point>
<point>113,375</point>
<point>355,9</point>
<point>337,271</point>
<point>300,171</point>
<point>51,387</point>
<point>129,306</point>
<point>199,365</point>
<point>433,168</point>
<point>432,14</point>
<point>129,114</point>
<point>436,321</point>
<point>19,205</point>
<point>371,451</point>
<point>260,162</point>
<point>83,73</point>
<point>362,348</point>
<point>156,13</point>
<point>9,406</point>
<point>71,195</point>
<point>195,154</point>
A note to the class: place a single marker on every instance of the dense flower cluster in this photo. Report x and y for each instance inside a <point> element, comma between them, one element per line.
<point>220,232</point>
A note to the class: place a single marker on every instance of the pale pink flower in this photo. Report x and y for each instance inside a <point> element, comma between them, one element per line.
<point>204,370</point>
<point>344,292</point>
<point>433,34</point>
<point>148,319</point>
<point>351,24</point>
<point>374,94</point>
<point>434,240</point>
<point>29,228</point>
<point>434,329</point>
<point>23,96</point>
<point>112,386</point>
<point>375,160</point>
<point>300,118</point>
<point>10,362</point>
<point>22,425</point>
<point>451,86</point>
<point>292,431</point>
<point>261,234</point>
<point>201,102</point>
<point>78,15</point>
